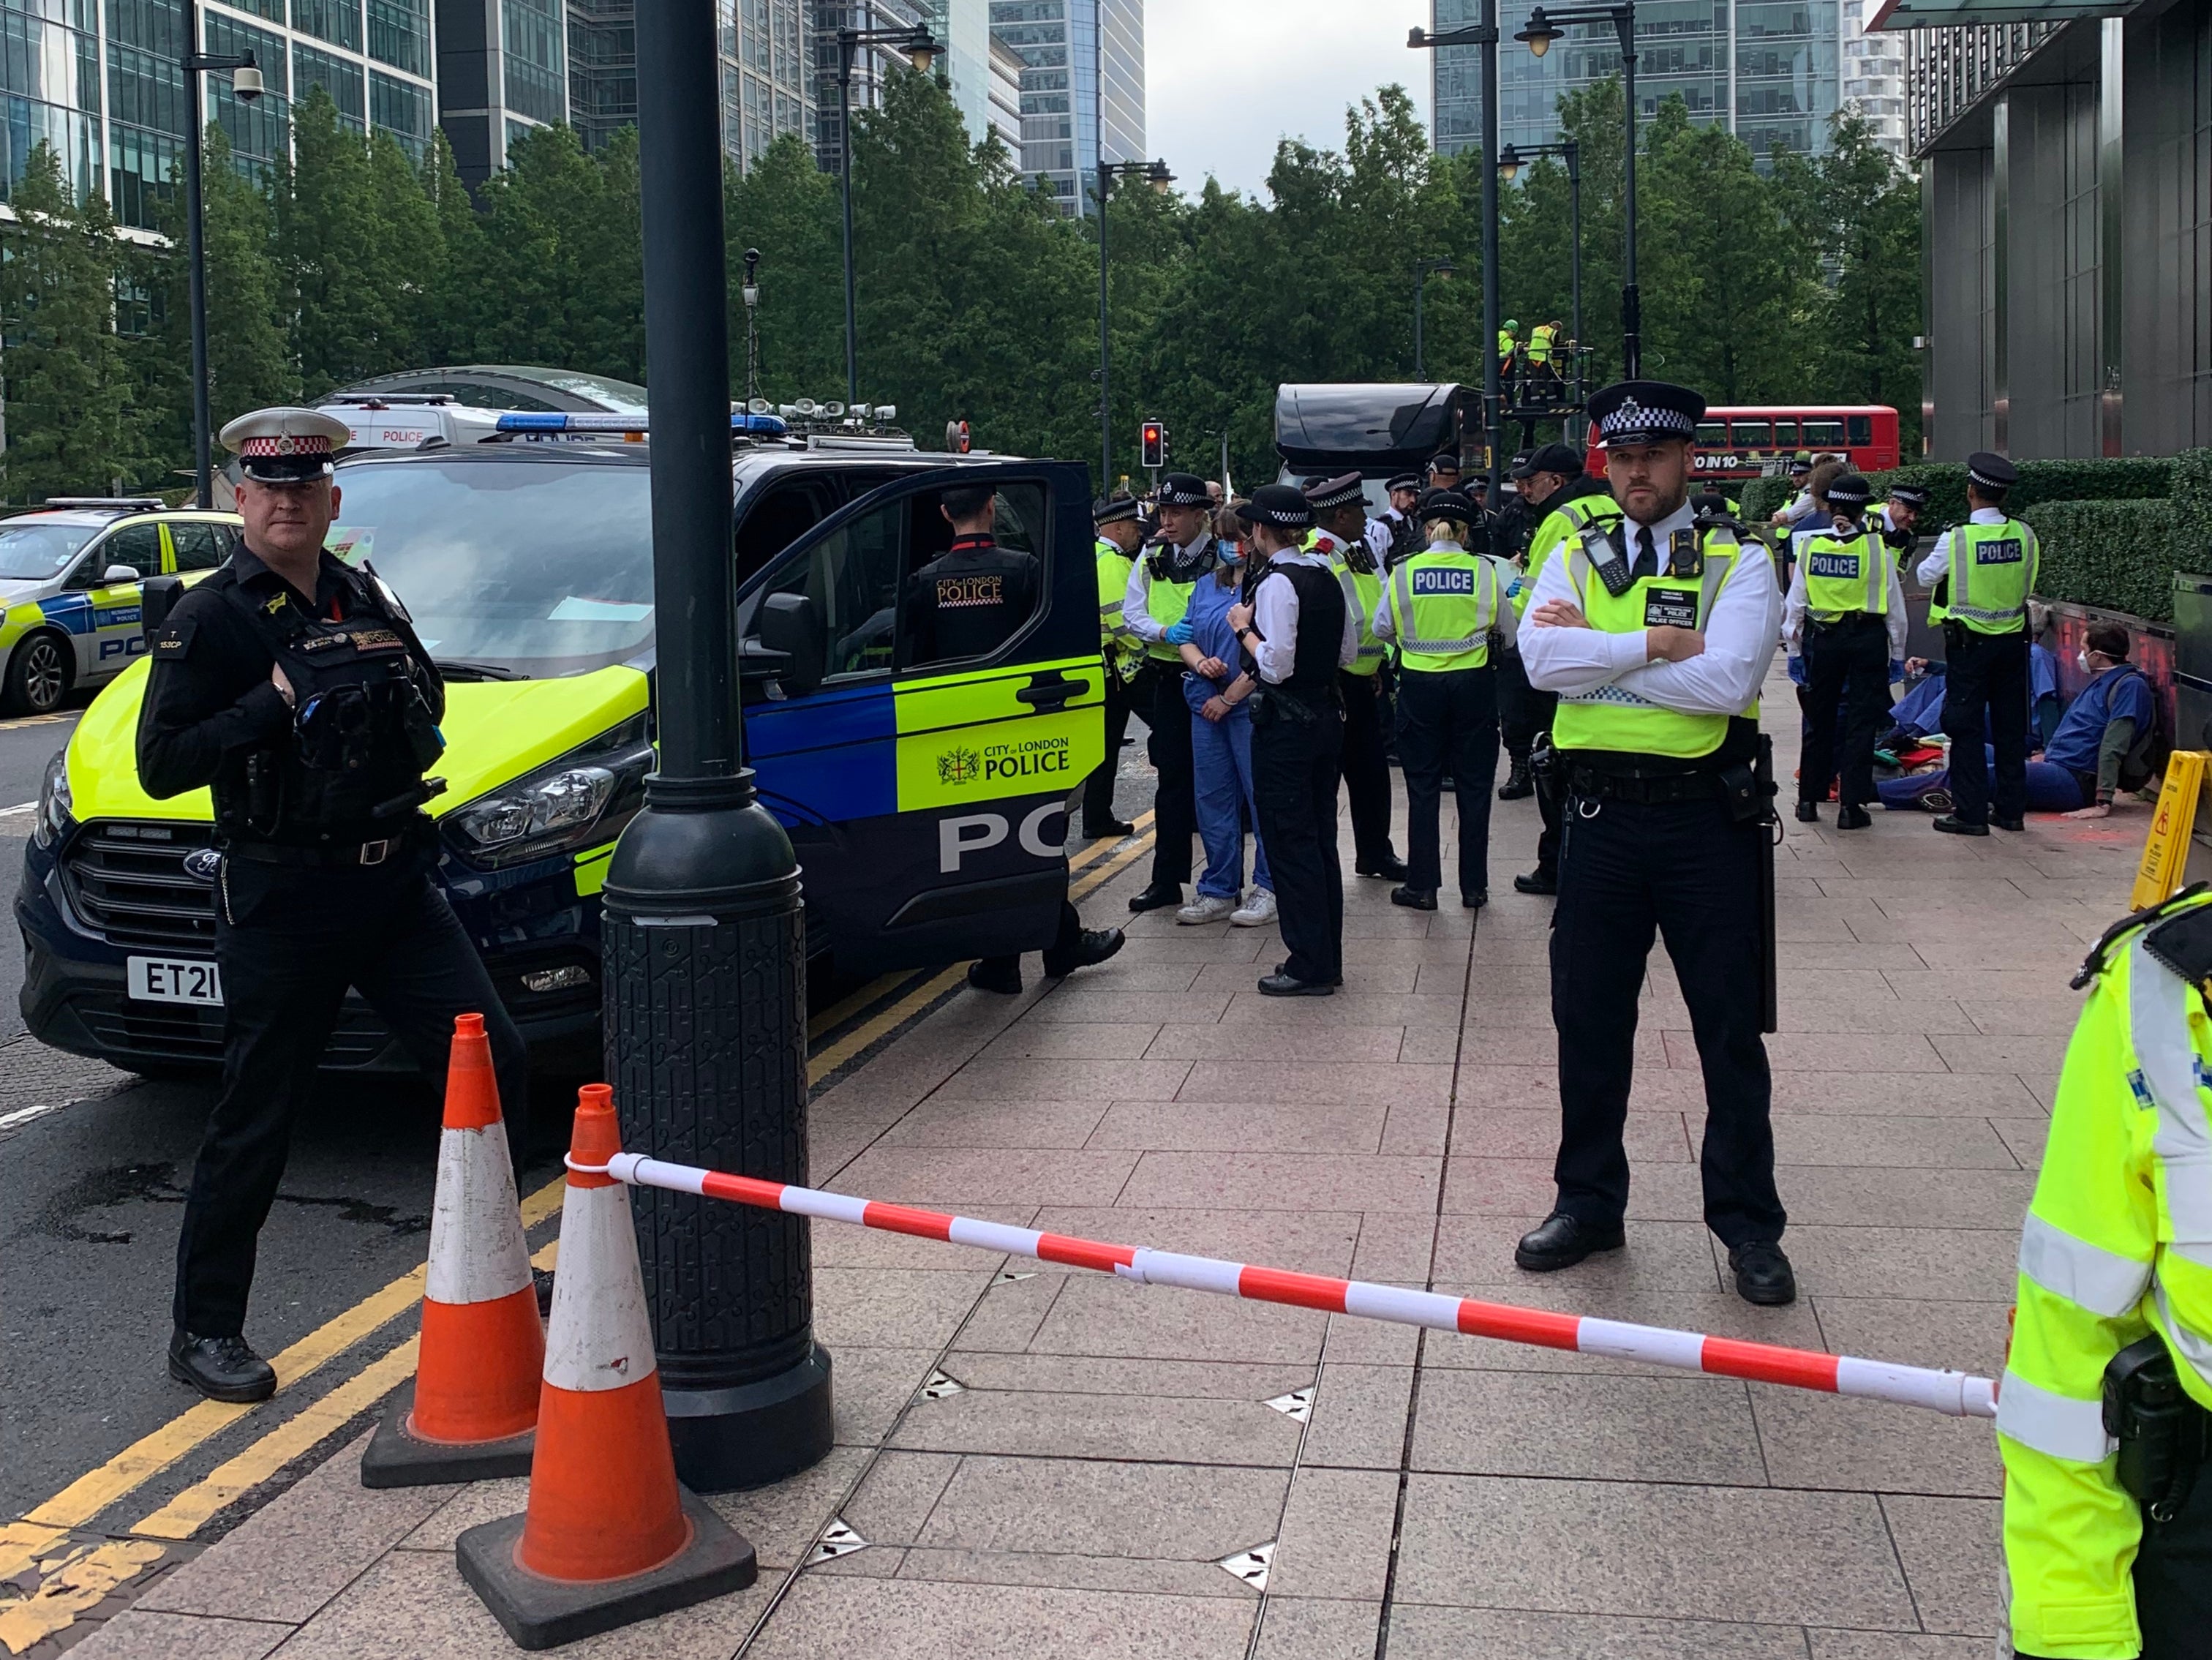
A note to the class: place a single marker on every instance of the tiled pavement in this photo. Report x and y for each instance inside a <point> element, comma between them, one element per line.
<point>1448,1497</point>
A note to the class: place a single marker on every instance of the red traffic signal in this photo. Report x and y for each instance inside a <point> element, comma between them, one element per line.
<point>1153,441</point>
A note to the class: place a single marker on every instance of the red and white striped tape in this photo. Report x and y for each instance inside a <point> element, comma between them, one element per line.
<point>1952,1392</point>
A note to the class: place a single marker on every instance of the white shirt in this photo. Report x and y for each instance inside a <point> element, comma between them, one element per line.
<point>1275,614</point>
<point>1741,637</point>
<point>1793,605</point>
<point>1378,541</point>
<point>1932,569</point>
<point>1136,611</point>
<point>1507,622</point>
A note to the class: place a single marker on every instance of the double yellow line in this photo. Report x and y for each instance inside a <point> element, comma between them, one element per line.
<point>43,1532</point>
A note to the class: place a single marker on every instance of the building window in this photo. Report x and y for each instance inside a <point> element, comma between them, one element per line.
<point>258,130</point>
<point>335,76</point>
<point>536,77</point>
<point>401,108</point>
<point>337,21</point>
<point>399,34</point>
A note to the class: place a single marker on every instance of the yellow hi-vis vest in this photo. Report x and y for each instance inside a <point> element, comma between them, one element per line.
<point>1539,343</point>
<point>1506,345</point>
<point>1992,572</point>
<point>1443,602</point>
<point>1844,574</point>
<point>2118,1244</point>
<point>1119,644</point>
<point>1610,717</point>
<point>1166,603</point>
<point>1363,592</point>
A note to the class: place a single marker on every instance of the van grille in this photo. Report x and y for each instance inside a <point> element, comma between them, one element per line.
<point>126,882</point>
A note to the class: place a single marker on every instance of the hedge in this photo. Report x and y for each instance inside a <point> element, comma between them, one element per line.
<point>2135,478</point>
<point>2116,556</point>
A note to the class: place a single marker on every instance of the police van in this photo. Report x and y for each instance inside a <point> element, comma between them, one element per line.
<point>924,798</point>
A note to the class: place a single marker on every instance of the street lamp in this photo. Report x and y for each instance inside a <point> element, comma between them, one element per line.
<point>1424,270</point>
<point>1483,33</point>
<point>702,940</point>
<point>247,86</point>
<point>921,50</point>
<point>751,291</point>
<point>1156,175</point>
<point>1510,162</point>
<point>1543,30</point>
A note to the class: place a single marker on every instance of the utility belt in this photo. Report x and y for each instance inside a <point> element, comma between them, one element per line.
<point>415,834</point>
<point>1279,706</point>
<point>1737,787</point>
<point>1846,622</point>
<point>2164,1437</point>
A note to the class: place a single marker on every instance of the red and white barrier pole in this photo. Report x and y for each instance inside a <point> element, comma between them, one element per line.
<point>1952,1392</point>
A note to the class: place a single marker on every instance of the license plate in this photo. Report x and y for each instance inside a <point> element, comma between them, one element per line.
<point>171,979</point>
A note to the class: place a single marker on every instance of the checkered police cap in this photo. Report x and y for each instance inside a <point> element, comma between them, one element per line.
<point>1645,412</point>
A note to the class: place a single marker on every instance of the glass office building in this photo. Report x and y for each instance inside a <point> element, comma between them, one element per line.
<point>1770,70</point>
<point>1083,89</point>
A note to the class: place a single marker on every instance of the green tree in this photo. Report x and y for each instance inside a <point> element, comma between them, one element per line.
<point>454,311</point>
<point>1872,308</point>
<point>562,275</point>
<point>786,208</point>
<point>69,390</point>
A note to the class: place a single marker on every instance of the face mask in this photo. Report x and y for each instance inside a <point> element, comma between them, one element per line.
<point>2082,659</point>
<point>1233,552</point>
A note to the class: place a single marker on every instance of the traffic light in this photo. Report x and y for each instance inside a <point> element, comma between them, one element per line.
<point>1153,442</point>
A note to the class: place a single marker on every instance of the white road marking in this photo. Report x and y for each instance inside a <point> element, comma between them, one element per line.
<point>24,1115</point>
<point>21,808</point>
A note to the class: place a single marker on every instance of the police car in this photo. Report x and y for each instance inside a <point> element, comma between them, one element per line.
<point>924,799</point>
<point>69,575</point>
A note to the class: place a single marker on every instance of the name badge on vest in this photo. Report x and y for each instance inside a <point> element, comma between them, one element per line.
<point>1844,567</point>
<point>1684,556</point>
<point>1444,579</point>
<point>1670,608</point>
<point>2009,552</point>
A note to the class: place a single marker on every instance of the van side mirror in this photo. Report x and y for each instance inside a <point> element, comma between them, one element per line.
<point>791,625</point>
<point>158,599</point>
<point>115,573</point>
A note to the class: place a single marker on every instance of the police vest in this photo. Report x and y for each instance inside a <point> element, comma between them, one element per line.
<point>1506,346</point>
<point>1991,573</point>
<point>362,731</point>
<point>1614,719</point>
<point>1118,643</point>
<point>1168,601</point>
<point>1443,602</point>
<point>2118,1244</point>
<point>1844,576</point>
<point>1540,343</point>
<point>1554,526</point>
<point>1363,592</point>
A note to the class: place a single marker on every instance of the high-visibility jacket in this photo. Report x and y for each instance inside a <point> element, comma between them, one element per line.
<point>1562,523</point>
<point>1507,345</point>
<point>1844,574</point>
<point>1363,592</point>
<point>1992,572</point>
<point>1539,343</point>
<point>1166,603</point>
<point>2118,1244</point>
<point>1120,644</point>
<point>1610,718</point>
<point>1443,602</point>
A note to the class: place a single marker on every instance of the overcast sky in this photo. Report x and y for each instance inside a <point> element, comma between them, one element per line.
<point>1225,79</point>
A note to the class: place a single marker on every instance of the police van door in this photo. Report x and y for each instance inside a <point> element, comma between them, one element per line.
<point>926,799</point>
<point>115,629</point>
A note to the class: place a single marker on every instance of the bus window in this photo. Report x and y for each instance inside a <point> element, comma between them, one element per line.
<point>1712,435</point>
<point>1785,434</point>
<point>1824,432</point>
<point>1750,435</point>
<point>1862,430</point>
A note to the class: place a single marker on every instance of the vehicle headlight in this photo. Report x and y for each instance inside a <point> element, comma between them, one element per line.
<point>53,819</point>
<point>583,798</point>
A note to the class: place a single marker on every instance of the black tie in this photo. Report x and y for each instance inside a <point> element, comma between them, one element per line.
<point>1647,556</point>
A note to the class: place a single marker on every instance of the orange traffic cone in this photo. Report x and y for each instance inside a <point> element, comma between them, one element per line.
<point>469,1413</point>
<point>608,1538</point>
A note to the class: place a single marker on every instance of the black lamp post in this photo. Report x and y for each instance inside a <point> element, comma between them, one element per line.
<point>1510,162</point>
<point>245,85</point>
<point>1543,29</point>
<point>1155,174</point>
<point>703,947</point>
<point>751,293</point>
<point>1484,33</point>
<point>1424,270</point>
<point>922,49</point>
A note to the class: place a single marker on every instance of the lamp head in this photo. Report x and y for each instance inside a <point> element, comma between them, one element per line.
<point>1159,177</point>
<point>1539,33</point>
<point>1417,39</point>
<point>1509,163</point>
<point>923,52</point>
<point>245,82</point>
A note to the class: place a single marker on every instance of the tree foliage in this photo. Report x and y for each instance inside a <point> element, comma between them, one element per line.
<point>1787,281</point>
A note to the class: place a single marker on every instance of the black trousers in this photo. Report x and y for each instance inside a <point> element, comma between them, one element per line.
<point>1157,694</point>
<point>1294,773</point>
<point>1685,870</point>
<point>1522,711</point>
<point>1448,728</point>
<point>1987,674</point>
<point>1098,788</point>
<point>2174,1578</point>
<point>1366,769</point>
<point>292,942</point>
<point>1854,651</point>
<point>1058,955</point>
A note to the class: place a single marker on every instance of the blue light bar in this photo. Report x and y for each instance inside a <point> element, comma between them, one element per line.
<point>519,422</point>
<point>740,420</point>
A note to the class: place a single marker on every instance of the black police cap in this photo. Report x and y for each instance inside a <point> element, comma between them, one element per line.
<point>1112,509</point>
<point>1848,489</point>
<point>1445,461</point>
<point>1909,495</point>
<point>1448,504</point>
<point>1645,412</point>
<point>1341,492</point>
<point>1282,506</point>
<point>1183,490</point>
<point>1404,481</point>
<point>1991,470</point>
<point>1550,457</point>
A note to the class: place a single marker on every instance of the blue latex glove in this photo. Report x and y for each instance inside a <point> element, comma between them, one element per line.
<point>1797,671</point>
<point>1180,634</point>
<point>1897,671</point>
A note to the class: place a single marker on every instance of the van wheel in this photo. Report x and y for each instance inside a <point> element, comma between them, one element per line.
<point>38,675</point>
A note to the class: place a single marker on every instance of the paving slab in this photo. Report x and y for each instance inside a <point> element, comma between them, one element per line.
<point>852,1616</point>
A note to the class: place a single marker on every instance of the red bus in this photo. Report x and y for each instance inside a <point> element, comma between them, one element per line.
<point>1758,439</point>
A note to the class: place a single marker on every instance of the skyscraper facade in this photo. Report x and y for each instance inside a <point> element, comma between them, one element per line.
<point>870,64</point>
<point>1874,74</point>
<point>1083,89</point>
<point>1770,71</point>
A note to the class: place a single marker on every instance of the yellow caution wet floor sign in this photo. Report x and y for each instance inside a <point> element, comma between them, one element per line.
<point>2165,850</point>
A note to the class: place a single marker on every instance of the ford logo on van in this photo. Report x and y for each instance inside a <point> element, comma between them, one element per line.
<point>203,865</point>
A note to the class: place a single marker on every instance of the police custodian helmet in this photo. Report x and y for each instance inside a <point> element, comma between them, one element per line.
<point>285,445</point>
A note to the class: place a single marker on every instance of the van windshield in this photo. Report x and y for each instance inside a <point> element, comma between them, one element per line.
<point>510,567</point>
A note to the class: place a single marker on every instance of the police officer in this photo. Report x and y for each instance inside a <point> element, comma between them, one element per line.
<point>1296,634</point>
<point>1657,634</point>
<point>968,602</point>
<point>295,687</point>
<point>1444,470</point>
<point>1119,536</point>
<point>2107,1557</point>
<point>1153,607</point>
<point>1896,518</point>
<point>1845,616</point>
<point>1340,535</point>
<point>1988,566</point>
<point>1447,611</point>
